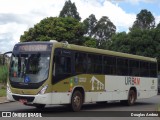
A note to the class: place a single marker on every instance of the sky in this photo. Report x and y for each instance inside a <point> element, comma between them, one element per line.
<point>17,16</point>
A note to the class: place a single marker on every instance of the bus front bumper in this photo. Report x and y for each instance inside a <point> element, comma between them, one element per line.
<point>30,99</point>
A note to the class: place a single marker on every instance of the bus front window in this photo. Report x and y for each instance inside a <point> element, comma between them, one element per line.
<point>29,68</point>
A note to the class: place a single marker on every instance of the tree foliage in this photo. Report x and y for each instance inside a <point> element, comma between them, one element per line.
<point>158,26</point>
<point>103,31</point>
<point>144,20</point>
<point>60,29</point>
<point>70,10</point>
<point>90,24</point>
<point>138,42</point>
<point>89,42</point>
<point>120,42</point>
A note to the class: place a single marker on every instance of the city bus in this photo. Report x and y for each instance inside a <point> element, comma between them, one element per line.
<point>52,73</point>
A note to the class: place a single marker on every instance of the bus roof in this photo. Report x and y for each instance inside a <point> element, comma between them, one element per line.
<point>104,52</point>
<point>93,50</point>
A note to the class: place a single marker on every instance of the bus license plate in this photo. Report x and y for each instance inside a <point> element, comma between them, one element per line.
<point>23,101</point>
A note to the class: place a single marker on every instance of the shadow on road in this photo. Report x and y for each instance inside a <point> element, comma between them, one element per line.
<point>86,107</point>
<point>115,109</point>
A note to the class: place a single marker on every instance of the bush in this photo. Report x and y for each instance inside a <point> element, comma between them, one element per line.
<point>3,74</point>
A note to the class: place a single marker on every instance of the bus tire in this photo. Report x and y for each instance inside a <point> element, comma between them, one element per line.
<point>76,101</point>
<point>131,98</point>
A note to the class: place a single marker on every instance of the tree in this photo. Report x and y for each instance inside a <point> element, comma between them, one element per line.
<point>70,10</point>
<point>103,31</point>
<point>144,20</point>
<point>1,59</point>
<point>60,29</point>
<point>138,42</point>
<point>143,43</point>
<point>90,24</point>
<point>89,42</point>
<point>158,26</point>
<point>120,43</point>
<point>156,37</point>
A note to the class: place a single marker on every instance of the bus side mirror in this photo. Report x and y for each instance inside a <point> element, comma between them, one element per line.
<point>4,55</point>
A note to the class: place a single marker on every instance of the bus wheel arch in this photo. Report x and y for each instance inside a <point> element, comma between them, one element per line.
<point>77,99</point>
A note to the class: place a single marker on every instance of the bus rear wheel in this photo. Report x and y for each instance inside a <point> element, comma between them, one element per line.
<point>131,98</point>
<point>76,101</point>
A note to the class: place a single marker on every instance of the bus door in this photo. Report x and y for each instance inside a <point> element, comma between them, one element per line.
<point>63,62</point>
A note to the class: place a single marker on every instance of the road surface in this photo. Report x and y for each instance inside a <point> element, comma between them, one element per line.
<point>111,109</point>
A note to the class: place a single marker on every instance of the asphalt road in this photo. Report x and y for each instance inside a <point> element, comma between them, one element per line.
<point>110,109</point>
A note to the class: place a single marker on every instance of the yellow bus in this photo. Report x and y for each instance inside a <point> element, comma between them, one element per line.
<point>53,72</point>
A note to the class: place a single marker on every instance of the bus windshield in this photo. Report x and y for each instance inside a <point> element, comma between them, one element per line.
<point>29,67</point>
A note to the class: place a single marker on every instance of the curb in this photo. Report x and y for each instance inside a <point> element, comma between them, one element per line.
<point>4,100</point>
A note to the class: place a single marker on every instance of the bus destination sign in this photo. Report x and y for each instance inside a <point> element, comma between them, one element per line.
<point>38,47</point>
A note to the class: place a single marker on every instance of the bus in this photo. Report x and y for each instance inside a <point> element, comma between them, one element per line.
<point>46,73</point>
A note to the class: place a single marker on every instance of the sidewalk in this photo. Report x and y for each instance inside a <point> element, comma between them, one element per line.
<point>3,100</point>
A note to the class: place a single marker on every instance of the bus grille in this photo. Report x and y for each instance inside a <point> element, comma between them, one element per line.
<point>29,99</point>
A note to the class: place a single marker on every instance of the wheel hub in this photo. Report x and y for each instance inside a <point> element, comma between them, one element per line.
<point>76,101</point>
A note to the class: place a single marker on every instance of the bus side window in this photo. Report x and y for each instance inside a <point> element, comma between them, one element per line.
<point>94,64</point>
<point>80,62</point>
<point>134,68</point>
<point>109,67</point>
<point>122,66</point>
<point>144,69</point>
<point>62,67</point>
<point>153,70</point>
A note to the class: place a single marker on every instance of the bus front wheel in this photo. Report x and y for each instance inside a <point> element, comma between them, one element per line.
<point>76,101</point>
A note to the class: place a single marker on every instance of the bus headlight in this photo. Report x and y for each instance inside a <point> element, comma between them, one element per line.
<point>43,90</point>
<point>8,89</point>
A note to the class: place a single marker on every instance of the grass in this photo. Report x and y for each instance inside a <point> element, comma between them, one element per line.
<point>3,80</point>
<point>2,91</point>
<point>3,74</point>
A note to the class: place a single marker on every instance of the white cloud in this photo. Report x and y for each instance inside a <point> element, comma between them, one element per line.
<point>116,14</point>
<point>9,35</point>
<point>136,2</point>
<point>157,19</point>
<point>16,16</point>
<point>25,6</point>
